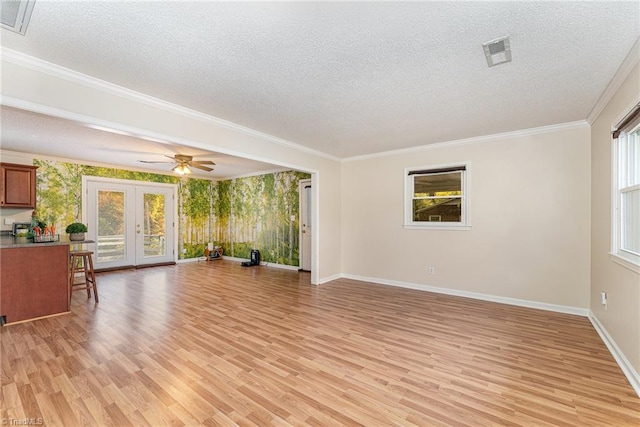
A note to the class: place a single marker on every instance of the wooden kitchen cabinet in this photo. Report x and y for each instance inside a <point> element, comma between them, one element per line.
<point>18,186</point>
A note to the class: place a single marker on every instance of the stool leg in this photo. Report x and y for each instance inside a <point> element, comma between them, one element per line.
<point>71,276</point>
<point>86,275</point>
<point>92,274</point>
<point>83,263</point>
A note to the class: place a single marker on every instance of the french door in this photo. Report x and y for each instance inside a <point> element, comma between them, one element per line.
<point>131,223</point>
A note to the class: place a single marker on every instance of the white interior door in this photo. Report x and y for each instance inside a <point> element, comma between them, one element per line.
<point>132,224</point>
<point>305,224</point>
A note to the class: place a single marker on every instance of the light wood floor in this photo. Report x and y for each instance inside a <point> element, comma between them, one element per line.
<point>218,344</point>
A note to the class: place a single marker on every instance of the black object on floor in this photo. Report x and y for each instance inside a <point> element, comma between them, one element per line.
<point>255,259</point>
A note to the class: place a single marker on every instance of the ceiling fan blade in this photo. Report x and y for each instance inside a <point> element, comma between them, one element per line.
<point>202,162</point>
<point>182,158</point>
<point>204,168</point>
<point>149,161</point>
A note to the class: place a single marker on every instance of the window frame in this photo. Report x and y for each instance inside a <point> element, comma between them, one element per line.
<point>464,224</point>
<point>619,186</point>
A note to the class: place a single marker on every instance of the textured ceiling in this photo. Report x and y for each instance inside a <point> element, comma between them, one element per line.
<point>32,133</point>
<point>347,78</point>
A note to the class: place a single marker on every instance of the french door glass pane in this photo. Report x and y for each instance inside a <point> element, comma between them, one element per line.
<point>111,226</point>
<point>154,225</point>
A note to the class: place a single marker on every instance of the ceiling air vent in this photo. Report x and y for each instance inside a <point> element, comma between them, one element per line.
<point>497,51</point>
<point>16,15</point>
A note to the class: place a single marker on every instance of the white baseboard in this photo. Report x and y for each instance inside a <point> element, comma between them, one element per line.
<point>182,261</point>
<point>282,266</point>
<point>626,366</point>
<point>232,258</point>
<point>330,278</point>
<point>263,263</point>
<point>475,295</point>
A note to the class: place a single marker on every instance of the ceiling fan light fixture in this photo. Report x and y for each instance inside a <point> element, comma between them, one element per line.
<point>184,164</point>
<point>182,169</point>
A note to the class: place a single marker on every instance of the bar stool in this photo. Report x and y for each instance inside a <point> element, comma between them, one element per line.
<point>81,262</point>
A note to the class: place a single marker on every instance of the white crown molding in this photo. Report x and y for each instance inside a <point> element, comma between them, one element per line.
<point>259,173</point>
<point>618,78</point>
<point>99,164</point>
<point>627,368</point>
<point>474,140</point>
<point>139,133</point>
<point>474,295</point>
<point>54,70</point>
<point>40,65</point>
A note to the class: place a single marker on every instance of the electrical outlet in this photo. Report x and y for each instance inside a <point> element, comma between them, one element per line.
<point>432,270</point>
<point>603,298</point>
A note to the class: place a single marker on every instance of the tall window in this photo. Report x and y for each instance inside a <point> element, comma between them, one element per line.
<point>626,190</point>
<point>436,196</point>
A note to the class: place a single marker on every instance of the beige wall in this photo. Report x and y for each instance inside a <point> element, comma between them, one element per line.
<point>67,95</point>
<point>621,318</point>
<point>529,210</point>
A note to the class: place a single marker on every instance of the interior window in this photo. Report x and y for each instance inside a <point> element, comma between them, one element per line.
<point>436,196</point>
<point>625,237</point>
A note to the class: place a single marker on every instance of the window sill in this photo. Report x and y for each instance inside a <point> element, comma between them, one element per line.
<point>625,262</point>
<point>437,227</point>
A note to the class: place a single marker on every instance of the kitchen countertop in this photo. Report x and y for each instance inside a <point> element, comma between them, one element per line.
<point>8,241</point>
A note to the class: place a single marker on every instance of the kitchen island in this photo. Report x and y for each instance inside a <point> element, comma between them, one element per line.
<point>34,279</point>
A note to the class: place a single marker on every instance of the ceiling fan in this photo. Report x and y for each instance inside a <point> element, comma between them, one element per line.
<point>184,164</point>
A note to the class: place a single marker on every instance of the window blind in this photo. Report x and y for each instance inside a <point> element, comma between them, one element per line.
<point>629,121</point>
<point>439,170</point>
